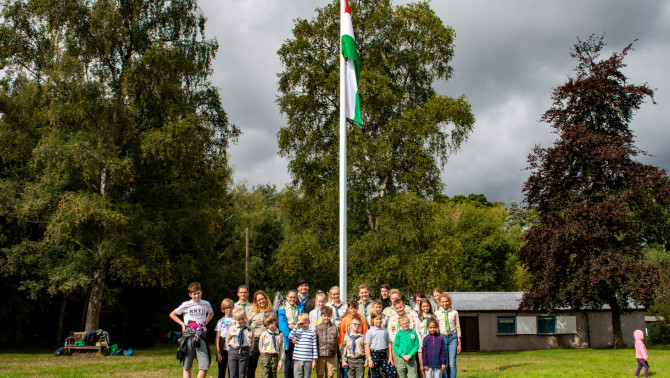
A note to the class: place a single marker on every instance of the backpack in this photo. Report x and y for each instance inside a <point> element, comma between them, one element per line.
<point>60,351</point>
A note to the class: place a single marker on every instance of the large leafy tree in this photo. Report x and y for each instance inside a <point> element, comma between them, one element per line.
<point>597,206</point>
<point>408,131</point>
<point>112,144</point>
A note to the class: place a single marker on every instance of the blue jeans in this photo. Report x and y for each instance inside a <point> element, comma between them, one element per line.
<point>288,360</point>
<point>452,351</point>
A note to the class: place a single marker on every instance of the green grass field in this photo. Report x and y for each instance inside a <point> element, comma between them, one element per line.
<point>162,363</point>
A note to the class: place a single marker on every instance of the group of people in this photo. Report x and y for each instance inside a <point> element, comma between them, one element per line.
<point>326,333</point>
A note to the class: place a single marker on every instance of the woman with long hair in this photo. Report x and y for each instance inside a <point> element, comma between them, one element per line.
<point>260,307</point>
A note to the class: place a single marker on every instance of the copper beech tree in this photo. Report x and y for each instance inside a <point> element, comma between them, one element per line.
<point>597,205</point>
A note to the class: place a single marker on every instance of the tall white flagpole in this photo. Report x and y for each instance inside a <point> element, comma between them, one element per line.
<point>343,171</point>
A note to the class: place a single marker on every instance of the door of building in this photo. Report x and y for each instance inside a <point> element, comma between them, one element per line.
<point>469,333</point>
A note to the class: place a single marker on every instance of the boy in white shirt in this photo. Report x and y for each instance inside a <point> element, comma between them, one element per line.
<point>196,314</point>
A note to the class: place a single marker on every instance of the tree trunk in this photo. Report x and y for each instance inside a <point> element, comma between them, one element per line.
<point>95,301</point>
<point>61,312</point>
<point>617,335</point>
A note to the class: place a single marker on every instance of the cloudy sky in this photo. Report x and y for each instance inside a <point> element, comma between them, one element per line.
<point>509,54</point>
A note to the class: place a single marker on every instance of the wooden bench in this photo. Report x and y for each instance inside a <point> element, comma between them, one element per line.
<point>78,336</point>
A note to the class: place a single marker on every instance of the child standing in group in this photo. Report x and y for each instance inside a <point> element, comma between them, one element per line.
<point>377,306</point>
<point>339,307</point>
<point>352,310</point>
<point>315,314</point>
<point>287,319</point>
<point>406,345</point>
<point>239,339</point>
<point>306,352</point>
<point>434,350</point>
<point>450,328</point>
<point>399,310</point>
<point>326,339</point>
<point>641,354</point>
<point>436,298</point>
<point>378,347</point>
<point>221,330</point>
<point>353,349</point>
<point>197,313</point>
<point>425,313</point>
<point>365,303</point>
<point>271,348</point>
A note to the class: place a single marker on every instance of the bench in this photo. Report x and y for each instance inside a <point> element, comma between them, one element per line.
<point>78,336</point>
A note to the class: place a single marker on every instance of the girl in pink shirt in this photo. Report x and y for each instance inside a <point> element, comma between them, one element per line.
<point>640,353</point>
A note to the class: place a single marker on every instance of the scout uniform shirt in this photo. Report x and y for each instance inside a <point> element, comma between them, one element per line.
<point>339,312</point>
<point>394,323</point>
<point>365,309</point>
<point>233,336</point>
<point>246,306</point>
<point>353,346</point>
<point>255,321</point>
<point>451,325</point>
<point>271,343</point>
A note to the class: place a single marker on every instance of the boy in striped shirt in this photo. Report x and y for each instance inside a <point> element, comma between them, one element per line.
<point>305,353</point>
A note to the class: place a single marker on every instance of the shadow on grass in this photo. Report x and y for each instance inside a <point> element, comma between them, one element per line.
<point>510,366</point>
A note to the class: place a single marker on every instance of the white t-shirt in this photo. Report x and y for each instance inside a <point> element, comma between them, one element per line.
<point>222,327</point>
<point>314,318</point>
<point>194,311</point>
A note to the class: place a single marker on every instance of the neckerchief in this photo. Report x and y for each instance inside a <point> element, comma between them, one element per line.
<point>302,301</point>
<point>353,341</point>
<point>337,310</point>
<point>272,336</point>
<point>446,319</point>
<point>294,316</point>
<point>240,336</point>
<point>365,309</point>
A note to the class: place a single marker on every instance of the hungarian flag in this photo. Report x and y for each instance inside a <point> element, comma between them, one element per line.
<point>353,69</point>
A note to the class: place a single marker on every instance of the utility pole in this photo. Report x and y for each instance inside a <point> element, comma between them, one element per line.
<point>246,260</point>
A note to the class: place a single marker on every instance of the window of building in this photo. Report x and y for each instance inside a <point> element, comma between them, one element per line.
<point>546,325</point>
<point>506,325</point>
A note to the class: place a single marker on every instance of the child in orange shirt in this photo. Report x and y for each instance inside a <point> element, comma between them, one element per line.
<point>352,313</point>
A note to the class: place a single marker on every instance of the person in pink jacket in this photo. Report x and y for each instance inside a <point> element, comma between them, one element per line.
<point>640,353</point>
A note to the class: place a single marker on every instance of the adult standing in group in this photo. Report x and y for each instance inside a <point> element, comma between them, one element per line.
<point>303,292</point>
<point>287,319</point>
<point>450,329</point>
<point>385,290</point>
<point>259,309</point>
<point>243,302</point>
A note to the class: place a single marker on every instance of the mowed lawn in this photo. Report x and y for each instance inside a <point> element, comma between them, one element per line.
<point>162,363</point>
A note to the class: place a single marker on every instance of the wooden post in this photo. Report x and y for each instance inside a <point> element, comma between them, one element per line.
<point>246,260</point>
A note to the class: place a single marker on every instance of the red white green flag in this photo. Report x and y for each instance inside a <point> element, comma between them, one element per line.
<point>353,70</point>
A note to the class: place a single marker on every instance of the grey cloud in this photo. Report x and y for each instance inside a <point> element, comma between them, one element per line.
<point>508,57</point>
